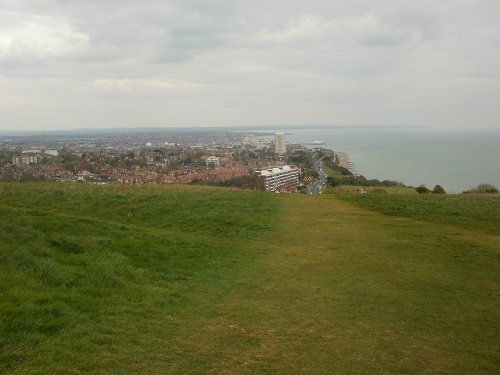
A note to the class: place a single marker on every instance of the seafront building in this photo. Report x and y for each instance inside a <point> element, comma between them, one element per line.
<point>274,178</point>
<point>280,143</point>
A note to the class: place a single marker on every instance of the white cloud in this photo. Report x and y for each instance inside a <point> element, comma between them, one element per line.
<point>34,39</point>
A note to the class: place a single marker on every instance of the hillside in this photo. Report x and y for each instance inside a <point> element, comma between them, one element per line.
<point>117,279</point>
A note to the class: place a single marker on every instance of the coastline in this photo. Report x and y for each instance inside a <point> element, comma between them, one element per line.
<point>343,160</point>
<point>416,156</point>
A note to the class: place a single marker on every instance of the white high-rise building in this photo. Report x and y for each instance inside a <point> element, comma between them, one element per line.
<point>273,178</point>
<point>279,143</point>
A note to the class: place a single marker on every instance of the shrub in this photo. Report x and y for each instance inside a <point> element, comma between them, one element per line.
<point>438,190</point>
<point>483,189</point>
<point>422,189</point>
<point>379,191</point>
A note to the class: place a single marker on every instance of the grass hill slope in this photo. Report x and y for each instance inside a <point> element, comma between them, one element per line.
<point>204,280</point>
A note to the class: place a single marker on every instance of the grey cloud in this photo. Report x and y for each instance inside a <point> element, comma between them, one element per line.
<point>386,40</point>
<point>272,56</point>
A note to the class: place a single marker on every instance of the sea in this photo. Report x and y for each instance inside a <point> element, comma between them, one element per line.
<point>455,159</point>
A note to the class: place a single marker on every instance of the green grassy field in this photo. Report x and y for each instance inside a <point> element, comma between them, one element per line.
<point>185,279</point>
<point>330,171</point>
<point>469,211</point>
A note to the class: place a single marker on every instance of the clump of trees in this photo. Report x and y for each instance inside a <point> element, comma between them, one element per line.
<point>482,189</point>
<point>438,189</point>
<point>422,189</point>
<point>303,158</point>
<point>312,173</point>
<point>25,176</point>
<point>5,157</point>
<point>361,181</point>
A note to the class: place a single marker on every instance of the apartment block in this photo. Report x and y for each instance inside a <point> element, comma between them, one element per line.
<point>25,159</point>
<point>273,178</point>
<point>280,143</point>
<point>213,159</point>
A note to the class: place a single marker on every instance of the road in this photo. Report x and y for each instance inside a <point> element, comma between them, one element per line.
<point>318,185</point>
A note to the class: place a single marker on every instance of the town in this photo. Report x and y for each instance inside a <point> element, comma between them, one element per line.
<point>259,161</point>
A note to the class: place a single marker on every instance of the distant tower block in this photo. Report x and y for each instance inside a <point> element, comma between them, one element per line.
<point>279,143</point>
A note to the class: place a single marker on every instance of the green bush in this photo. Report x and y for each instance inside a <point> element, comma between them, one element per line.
<point>438,190</point>
<point>422,189</point>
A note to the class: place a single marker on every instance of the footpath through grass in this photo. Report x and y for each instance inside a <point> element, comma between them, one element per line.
<point>204,280</point>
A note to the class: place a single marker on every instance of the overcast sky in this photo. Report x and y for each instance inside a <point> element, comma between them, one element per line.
<point>103,63</point>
